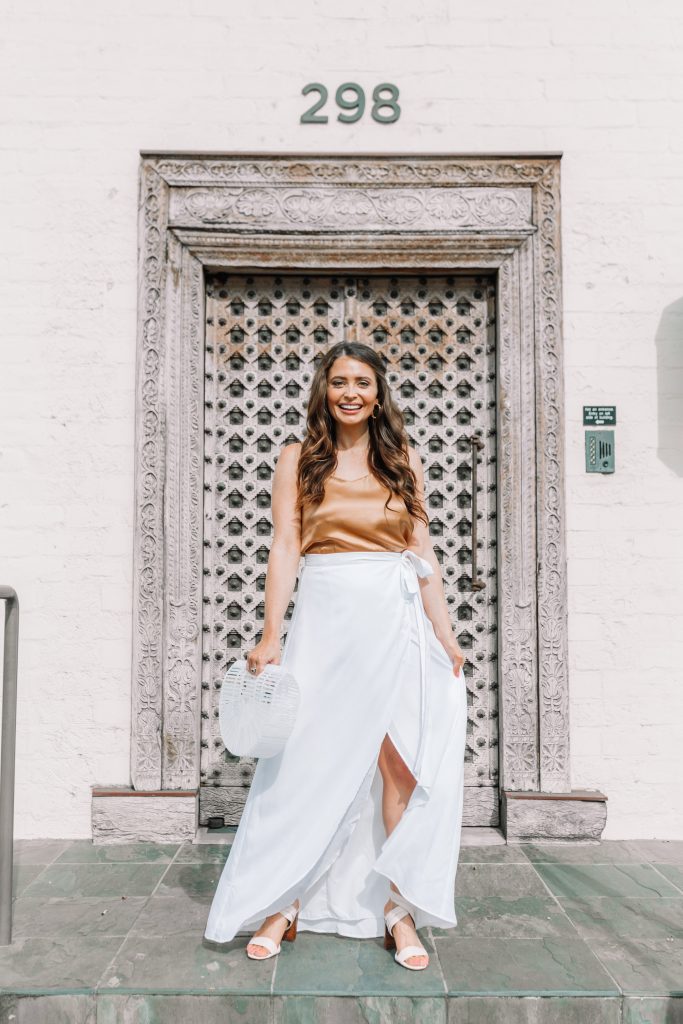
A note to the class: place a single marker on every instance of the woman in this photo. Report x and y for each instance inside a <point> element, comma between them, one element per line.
<point>382,692</point>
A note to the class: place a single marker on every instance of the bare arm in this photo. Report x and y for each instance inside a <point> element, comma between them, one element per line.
<point>431,587</point>
<point>285,550</point>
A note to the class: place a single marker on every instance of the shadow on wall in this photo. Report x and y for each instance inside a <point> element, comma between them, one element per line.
<point>669,345</point>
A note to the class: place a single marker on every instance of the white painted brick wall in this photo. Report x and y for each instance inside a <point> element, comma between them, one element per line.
<point>85,87</point>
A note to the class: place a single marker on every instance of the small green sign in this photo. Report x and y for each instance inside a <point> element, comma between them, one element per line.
<point>599,415</point>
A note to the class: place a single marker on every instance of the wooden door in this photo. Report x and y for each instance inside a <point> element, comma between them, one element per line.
<point>263,333</point>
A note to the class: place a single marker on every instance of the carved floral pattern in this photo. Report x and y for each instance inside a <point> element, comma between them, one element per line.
<point>369,209</point>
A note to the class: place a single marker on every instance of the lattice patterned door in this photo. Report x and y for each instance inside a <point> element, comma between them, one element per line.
<point>263,333</point>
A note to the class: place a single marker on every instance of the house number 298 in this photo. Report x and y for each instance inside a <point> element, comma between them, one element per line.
<point>385,108</point>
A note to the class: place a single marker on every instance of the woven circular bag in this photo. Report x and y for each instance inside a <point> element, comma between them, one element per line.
<point>256,714</point>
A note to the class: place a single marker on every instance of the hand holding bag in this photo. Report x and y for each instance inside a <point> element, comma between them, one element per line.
<point>256,714</point>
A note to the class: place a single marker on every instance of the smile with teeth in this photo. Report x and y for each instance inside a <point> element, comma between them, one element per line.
<point>350,408</point>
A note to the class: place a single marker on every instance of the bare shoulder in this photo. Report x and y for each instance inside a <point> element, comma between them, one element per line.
<point>288,459</point>
<point>415,462</point>
<point>291,452</point>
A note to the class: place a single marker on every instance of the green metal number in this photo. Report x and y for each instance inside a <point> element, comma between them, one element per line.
<point>390,101</point>
<point>309,116</point>
<point>358,104</point>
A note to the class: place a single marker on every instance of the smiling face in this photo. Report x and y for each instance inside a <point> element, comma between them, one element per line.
<point>351,390</point>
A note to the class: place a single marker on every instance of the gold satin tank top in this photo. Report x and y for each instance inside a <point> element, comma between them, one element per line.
<point>352,517</point>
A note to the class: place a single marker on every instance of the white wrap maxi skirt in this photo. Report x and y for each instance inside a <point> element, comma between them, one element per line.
<point>368,663</point>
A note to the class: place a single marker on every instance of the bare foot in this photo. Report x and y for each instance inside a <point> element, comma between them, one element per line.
<point>404,934</point>
<point>274,927</point>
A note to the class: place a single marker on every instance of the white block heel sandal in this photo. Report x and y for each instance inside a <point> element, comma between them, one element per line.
<point>289,935</point>
<point>403,909</point>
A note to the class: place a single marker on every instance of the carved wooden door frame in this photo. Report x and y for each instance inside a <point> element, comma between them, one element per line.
<point>364,213</point>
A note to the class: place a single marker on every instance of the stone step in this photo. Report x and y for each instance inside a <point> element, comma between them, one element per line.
<point>546,933</point>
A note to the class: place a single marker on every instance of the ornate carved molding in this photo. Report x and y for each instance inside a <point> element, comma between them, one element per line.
<point>183,521</point>
<point>516,457</point>
<point>551,574</point>
<point>370,170</point>
<point>148,574</point>
<point>255,211</point>
<point>347,208</point>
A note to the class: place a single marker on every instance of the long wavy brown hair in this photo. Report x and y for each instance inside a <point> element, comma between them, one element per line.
<point>388,446</point>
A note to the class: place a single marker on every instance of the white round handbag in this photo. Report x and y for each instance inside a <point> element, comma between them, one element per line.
<point>256,714</point>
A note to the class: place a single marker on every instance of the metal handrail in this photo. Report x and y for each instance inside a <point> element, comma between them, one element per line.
<point>7,759</point>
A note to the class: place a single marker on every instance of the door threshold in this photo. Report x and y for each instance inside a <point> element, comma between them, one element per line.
<point>478,835</point>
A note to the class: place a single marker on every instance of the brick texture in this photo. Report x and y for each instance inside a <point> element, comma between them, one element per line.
<point>85,88</point>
